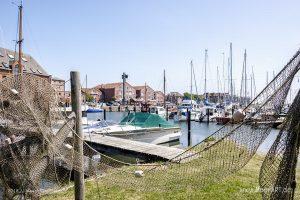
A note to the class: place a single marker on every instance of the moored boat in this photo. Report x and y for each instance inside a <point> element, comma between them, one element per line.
<point>140,126</point>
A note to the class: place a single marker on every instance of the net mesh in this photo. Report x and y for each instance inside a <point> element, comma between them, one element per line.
<point>277,176</point>
<point>37,144</point>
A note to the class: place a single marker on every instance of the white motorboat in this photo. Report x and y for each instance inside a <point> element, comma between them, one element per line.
<point>84,107</point>
<point>186,105</point>
<point>161,111</point>
<point>207,113</point>
<point>140,126</point>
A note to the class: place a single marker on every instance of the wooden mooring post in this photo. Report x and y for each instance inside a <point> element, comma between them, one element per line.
<point>104,114</point>
<point>167,113</point>
<point>189,126</point>
<point>207,115</point>
<point>78,141</point>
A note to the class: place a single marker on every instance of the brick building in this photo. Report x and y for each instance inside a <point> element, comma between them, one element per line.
<point>59,86</point>
<point>8,64</point>
<point>215,97</point>
<point>95,93</point>
<point>142,91</point>
<point>159,97</point>
<point>114,91</point>
<point>175,98</point>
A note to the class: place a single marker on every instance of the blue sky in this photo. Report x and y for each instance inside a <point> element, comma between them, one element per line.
<point>105,38</point>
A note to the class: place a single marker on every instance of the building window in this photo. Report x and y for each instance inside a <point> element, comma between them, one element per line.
<point>10,56</point>
<point>32,70</point>
<point>5,65</point>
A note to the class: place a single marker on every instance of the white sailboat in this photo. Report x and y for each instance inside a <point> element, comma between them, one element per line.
<point>190,104</point>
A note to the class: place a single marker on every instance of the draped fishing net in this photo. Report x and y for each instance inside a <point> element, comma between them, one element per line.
<point>277,176</point>
<point>37,145</point>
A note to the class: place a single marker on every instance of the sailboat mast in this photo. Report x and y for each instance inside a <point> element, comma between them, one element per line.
<point>242,82</point>
<point>251,87</point>
<point>228,76</point>
<point>145,93</point>
<point>191,82</point>
<point>85,89</point>
<point>245,75</point>
<point>165,89</point>
<point>218,81</point>
<point>231,84</point>
<point>223,72</point>
<point>254,87</point>
<point>20,69</point>
<point>205,80</point>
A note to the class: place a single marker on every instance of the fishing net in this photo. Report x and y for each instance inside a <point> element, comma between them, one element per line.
<point>37,144</point>
<point>277,176</point>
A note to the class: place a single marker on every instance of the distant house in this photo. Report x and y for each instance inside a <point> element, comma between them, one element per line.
<point>59,86</point>
<point>9,64</point>
<point>9,67</point>
<point>114,91</point>
<point>215,97</point>
<point>144,92</point>
<point>175,98</point>
<point>93,92</point>
<point>159,97</point>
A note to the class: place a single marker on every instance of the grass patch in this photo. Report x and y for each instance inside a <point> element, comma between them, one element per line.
<point>241,185</point>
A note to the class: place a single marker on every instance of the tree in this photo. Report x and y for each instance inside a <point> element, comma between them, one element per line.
<point>89,97</point>
<point>187,95</point>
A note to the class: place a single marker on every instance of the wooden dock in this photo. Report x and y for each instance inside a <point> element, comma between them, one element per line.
<point>163,152</point>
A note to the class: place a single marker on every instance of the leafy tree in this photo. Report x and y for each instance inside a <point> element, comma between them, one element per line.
<point>89,97</point>
<point>196,97</point>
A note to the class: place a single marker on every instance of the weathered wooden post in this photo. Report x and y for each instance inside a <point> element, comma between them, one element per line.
<point>207,114</point>
<point>104,114</point>
<point>78,143</point>
<point>189,126</point>
<point>167,113</point>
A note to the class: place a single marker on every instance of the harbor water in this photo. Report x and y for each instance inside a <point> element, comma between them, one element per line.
<point>199,131</point>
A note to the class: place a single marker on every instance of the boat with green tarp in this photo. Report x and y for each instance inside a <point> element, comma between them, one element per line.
<point>139,126</point>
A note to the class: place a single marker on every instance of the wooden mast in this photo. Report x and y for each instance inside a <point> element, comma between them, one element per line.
<point>245,75</point>
<point>20,67</point>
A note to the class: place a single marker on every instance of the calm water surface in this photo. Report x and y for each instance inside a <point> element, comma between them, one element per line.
<point>199,131</point>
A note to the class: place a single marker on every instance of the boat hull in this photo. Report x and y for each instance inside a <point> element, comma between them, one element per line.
<point>94,110</point>
<point>222,120</point>
<point>154,136</point>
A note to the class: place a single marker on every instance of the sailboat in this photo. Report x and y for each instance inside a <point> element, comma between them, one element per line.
<point>208,109</point>
<point>226,116</point>
<point>161,111</point>
<point>189,104</point>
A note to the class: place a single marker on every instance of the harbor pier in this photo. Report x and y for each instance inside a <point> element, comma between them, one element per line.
<point>142,150</point>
